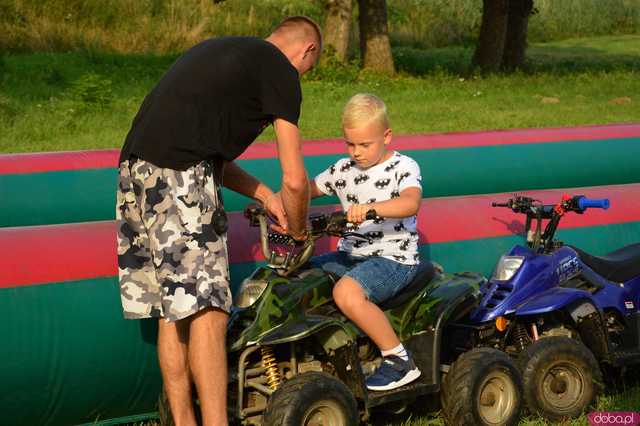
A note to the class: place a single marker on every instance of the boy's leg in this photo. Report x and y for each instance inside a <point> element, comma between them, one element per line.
<point>353,302</point>
<point>370,279</point>
<point>172,356</point>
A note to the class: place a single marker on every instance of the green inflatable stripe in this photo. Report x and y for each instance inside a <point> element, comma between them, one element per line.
<point>68,356</point>
<point>88,195</point>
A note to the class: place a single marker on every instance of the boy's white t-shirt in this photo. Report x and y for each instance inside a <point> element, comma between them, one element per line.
<point>395,239</point>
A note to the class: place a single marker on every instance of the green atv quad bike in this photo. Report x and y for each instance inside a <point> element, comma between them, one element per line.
<point>294,359</point>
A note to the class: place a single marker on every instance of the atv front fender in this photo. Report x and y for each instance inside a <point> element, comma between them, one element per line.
<point>552,300</point>
<point>331,333</point>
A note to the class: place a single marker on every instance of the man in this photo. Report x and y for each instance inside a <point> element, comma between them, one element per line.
<point>203,113</point>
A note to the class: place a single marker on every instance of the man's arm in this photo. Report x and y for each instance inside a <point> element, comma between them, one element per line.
<point>242,182</point>
<point>295,184</point>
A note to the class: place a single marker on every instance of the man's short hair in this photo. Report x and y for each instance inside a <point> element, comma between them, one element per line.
<point>362,109</point>
<point>306,26</point>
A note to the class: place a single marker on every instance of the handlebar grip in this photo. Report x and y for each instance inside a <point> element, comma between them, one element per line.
<point>586,203</point>
<point>494,204</point>
<point>371,214</point>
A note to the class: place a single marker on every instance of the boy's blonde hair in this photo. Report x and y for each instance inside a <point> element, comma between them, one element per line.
<point>362,109</point>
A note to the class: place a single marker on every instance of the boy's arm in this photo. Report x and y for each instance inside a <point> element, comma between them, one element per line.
<point>315,191</point>
<point>406,205</point>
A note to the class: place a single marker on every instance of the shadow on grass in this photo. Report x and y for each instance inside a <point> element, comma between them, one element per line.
<point>561,58</point>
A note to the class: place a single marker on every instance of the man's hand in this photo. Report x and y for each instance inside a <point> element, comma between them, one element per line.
<point>273,206</point>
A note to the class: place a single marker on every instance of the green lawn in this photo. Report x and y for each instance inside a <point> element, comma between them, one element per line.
<point>85,100</point>
<point>626,399</point>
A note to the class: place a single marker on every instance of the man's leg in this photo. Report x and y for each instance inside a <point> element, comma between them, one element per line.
<point>172,355</point>
<point>208,363</point>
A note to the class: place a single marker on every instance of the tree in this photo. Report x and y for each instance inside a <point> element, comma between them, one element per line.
<point>503,35</point>
<point>337,27</point>
<point>375,49</point>
<point>516,38</point>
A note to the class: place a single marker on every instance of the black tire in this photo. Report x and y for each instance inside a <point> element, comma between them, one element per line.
<point>561,377</point>
<point>483,387</point>
<point>311,394</point>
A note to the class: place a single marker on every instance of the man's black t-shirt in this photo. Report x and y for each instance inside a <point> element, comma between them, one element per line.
<point>213,102</point>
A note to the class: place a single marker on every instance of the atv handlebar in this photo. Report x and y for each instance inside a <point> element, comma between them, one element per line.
<point>535,210</point>
<point>529,206</point>
<point>321,224</point>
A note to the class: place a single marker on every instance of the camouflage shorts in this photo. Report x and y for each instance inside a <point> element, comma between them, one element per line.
<point>171,262</point>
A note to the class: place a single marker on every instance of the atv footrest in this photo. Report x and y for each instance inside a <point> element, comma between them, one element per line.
<point>408,391</point>
<point>622,358</point>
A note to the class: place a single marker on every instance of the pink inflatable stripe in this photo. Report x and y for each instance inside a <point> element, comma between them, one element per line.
<point>74,160</point>
<point>58,253</point>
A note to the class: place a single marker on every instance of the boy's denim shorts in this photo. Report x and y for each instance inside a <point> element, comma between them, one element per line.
<point>379,277</point>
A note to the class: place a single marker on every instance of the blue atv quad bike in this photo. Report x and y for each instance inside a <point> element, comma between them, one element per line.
<point>564,314</point>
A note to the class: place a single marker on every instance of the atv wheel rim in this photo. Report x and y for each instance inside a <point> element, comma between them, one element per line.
<point>563,386</point>
<point>496,399</point>
<point>324,413</point>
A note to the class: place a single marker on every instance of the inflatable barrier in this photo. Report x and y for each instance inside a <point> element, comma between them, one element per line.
<point>48,188</point>
<point>68,357</point>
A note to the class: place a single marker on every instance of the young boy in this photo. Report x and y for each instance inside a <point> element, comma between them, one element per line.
<point>389,182</point>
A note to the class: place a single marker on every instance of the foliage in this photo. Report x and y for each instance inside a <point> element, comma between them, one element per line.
<point>90,90</point>
<point>162,26</point>
<point>595,81</point>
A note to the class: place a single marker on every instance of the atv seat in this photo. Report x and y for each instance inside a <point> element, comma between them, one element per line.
<point>426,272</point>
<point>618,266</point>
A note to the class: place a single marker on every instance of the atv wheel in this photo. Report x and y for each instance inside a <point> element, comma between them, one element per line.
<point>311,399</point>
<point>483,387</point>
<point>561,377</point>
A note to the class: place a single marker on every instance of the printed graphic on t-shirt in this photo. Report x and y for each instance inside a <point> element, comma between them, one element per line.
<point>395,239</point>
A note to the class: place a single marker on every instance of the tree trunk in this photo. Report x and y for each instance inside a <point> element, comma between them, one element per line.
<point>337,27</point>
<point>375,50</point>
<point>516,38</point>
<point>493,30</point>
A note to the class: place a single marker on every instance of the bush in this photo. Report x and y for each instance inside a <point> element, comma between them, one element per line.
<point>92,90</point>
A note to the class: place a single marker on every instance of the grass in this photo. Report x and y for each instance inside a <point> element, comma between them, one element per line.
<point>625,399</point>
<point>48,100</point>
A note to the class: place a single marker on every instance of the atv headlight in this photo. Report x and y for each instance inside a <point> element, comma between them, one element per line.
<point>249,292</point>
<point>507,267</point>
